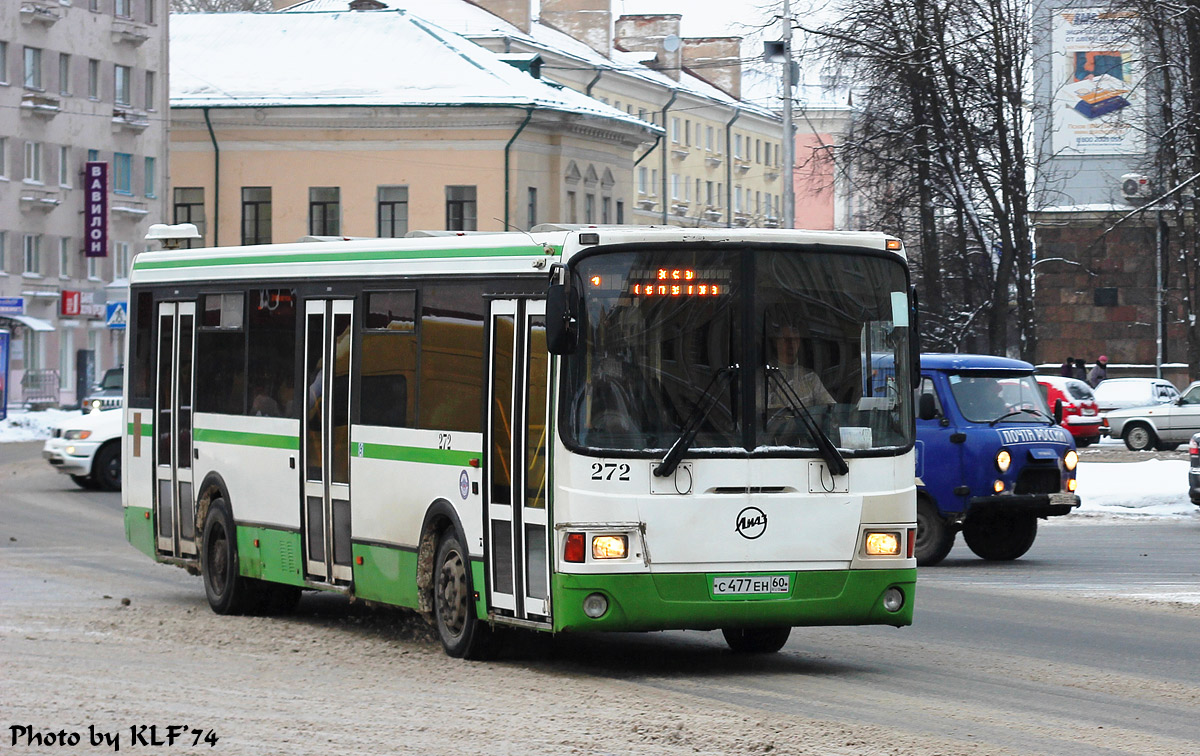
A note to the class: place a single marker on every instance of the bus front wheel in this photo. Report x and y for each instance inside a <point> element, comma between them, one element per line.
<point>756,640</point>
<point>463,636</point>
<point>1000,538</point>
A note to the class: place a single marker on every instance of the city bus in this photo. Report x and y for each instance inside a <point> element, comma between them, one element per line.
<point>572,429</point>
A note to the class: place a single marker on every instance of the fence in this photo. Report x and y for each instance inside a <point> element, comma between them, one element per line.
<point>40,386</point>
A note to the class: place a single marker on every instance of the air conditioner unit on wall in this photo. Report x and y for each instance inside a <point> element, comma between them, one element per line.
<point>1136,187</point>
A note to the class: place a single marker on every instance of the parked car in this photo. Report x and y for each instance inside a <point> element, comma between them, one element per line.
<point>1122,393</point>
<point>1194,469</point>
<point>1158,426</point>
<point>107,393</point>
<point>87,447</point>
<point>1080,412</point>
<point>991,458</point>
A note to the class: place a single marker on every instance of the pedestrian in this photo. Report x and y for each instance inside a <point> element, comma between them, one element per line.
<point>1067,366</point>
<point>1099,371</point>
<point>1079,373</point>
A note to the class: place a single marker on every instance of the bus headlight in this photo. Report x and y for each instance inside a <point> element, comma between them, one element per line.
<point>609,547</point>
<point>1003,460</point>
<point>893,599</point>
<point>883,544</point>
<point>595,605</point>
<point>1071,459</point>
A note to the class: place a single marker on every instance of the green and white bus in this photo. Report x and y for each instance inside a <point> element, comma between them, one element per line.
<point>578,428</point>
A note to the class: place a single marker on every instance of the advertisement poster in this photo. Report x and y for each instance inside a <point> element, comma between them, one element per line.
<point>1098,103</point>
<point>3,374</point>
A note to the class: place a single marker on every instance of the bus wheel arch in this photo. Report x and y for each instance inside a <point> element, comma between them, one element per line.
<point>213,487</point>
<point>440,518</point>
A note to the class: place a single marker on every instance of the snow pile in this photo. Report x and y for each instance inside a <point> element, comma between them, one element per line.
<point>31,426</point>
<point>1117,490</point>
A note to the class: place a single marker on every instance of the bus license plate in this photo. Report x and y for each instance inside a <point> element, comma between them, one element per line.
<point>743,585</point>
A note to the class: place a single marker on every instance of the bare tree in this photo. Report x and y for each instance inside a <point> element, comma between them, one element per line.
<point>219,6</point>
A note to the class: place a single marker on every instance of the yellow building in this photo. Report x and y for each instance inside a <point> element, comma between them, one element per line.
<point>375,122</point>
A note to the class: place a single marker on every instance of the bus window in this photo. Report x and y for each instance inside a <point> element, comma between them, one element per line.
<point>221,355</point>
<point>389,355</point>
<point>271,327</point>
<point>451,390</point>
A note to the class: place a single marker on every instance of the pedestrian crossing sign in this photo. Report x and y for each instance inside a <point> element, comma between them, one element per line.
<point>116,315</point>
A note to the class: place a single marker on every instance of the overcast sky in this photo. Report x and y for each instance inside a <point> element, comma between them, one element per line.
<point>709,18</point>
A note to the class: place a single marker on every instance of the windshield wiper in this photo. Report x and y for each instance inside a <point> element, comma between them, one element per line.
<point>708,400</point>
<point>1030,410</point>
<point>833,458</point>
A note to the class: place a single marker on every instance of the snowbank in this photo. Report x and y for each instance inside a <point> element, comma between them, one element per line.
<point>31,426</point>
<point>1120,490</point>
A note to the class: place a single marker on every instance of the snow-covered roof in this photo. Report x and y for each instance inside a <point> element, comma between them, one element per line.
<point>461,17</point>
<point>376,58</point>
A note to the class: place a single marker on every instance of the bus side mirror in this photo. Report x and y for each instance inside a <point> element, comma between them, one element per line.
<point>562,332</point>
<point>926,409</point>
<point>1058,411</point>
<point>914,336</point>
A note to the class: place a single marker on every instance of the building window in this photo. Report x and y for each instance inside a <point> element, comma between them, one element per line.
<point>64,74</point>
<point>620,212</point>
<point>120,259</point>
<point>460,208</point>
<point>1105,297</point>
<point>64,257</point>
<point>33,254</point>
<point>189,208</point>
<point>391,214</point>
<point>674,186</point>
<point>33,68</point>
<point>606,210</point>
<point>93,155</point>
<point>121,89</point>
<point>33,162</point>
<point>642,180</point>
<point>150,183</point>
<point>737,145</point>
<point>324,210</point>
<point>149,90</point>
<point>123,173</point>
<point>121,8</point>
<point>3,156</point>
<point>64,167</point>
<point>589,208</point>
<point>150,11</point>
<point>256,215</point>
<point>93,79</point>
<point>3,253</point>
<point>3,62</point>
<point>687,132</point>
<point>675,130</point>
<point>93,268</point>
<point>708,138</point>
<point>570,208</point>
<point>758,150</point>
<point>531,208</point>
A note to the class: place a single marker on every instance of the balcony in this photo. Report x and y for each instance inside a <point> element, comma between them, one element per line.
<point>129,32</point>
<point>771,173</point>
<point>679,152</point>
<point>45,12</point>
<point>132,119</point>
<point>128,208</point>
<point>771,222</point>
<point>713,214</point>
<point>39,104</point>
<point>742,166</point>
<point>680,207</point>
<point>647,203</point>
<point>39,199</point>
<point>713,160</point>
<point>741,219</point>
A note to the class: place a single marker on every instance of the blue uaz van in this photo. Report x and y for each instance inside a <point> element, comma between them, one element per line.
<point>991,458</point>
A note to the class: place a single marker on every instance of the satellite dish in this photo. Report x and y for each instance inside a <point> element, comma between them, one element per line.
<point>671,42</point>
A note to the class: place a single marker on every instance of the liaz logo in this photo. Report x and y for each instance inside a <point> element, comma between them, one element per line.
<point>751,523</point>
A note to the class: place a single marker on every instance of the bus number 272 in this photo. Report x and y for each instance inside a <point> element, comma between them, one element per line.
<point>606,471</point>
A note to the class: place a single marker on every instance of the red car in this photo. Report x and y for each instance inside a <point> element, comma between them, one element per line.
<point>1081,414</point>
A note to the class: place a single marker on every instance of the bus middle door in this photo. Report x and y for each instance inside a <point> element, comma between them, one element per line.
<point>517,438</point>
<point>174,502</point>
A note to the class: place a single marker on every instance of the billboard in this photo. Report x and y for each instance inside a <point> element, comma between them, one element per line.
<point>1097,105</point>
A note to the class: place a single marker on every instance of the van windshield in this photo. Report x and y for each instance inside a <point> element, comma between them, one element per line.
<point>1008,398</point>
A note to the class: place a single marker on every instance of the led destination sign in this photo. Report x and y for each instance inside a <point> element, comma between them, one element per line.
<point>674,282</point>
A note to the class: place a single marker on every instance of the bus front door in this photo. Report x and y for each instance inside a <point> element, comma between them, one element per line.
<point>174,503</point>
<point>325,514</point>
<point>517,521</point>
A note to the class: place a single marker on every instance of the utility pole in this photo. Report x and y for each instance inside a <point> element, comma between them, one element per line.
<point>789,138</point>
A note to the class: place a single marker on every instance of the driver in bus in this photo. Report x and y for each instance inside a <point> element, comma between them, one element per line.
<point>789,343</point>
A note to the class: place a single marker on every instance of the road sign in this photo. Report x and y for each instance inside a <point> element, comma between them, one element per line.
<point>116,314</point>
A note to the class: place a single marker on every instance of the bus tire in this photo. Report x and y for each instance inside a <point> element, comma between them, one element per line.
<point>935,537</point>
<point>1139,437</point>
<point>755,640</point>
<point>463,636</point>
<point>106,469</point>
<point>227,591</point>
<point>1000,538</point>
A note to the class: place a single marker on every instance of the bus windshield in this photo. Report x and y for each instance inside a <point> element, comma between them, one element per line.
<point>773,346</point>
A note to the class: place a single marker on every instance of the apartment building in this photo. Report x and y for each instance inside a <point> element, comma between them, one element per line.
<point>82,86</point>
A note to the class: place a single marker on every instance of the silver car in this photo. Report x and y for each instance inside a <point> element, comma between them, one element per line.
<point>1122,393</point>
<point>1158,426</point>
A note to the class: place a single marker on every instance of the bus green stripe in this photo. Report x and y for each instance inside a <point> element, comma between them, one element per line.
<point>417,454</point>
<point>368,255</point>
<point>241,438</point>
<point>147,429</point>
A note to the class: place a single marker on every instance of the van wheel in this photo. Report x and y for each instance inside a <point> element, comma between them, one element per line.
<point>1139,437</point>
<point>935,538</point>
<point>463,636</point>
<point>106,469</point>
<point>756,640</point>
<point>1000,538</point>
<point>227,591</point>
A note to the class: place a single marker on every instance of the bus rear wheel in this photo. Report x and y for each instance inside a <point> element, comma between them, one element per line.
<point>227,591</point>
<point>1000,538</point>
<point>463,636</point>
<point>756,640</point>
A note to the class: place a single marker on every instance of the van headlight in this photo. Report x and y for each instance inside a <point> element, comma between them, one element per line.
<point>1071,459</point>
<point>1003,460</point>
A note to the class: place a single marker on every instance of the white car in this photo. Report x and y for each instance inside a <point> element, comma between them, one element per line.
<point>1122,393</point>
<point>1158,426</point>
<point>88,448</point>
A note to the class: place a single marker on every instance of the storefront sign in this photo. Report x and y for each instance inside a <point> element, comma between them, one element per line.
<point>95,209</point>
<point>12,305</point>
<point>68,303</point>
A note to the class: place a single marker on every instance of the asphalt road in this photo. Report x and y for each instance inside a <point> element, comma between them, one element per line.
<point>1087,645</point>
